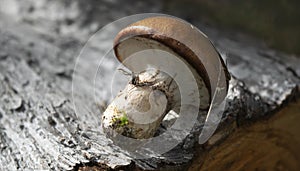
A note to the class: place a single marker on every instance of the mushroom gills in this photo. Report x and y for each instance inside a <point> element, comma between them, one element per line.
<point>140,54</point>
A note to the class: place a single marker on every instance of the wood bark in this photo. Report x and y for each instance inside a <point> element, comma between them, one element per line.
<point>40,130</point>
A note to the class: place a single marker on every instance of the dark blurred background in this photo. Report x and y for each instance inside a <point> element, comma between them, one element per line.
<point>276,22</point>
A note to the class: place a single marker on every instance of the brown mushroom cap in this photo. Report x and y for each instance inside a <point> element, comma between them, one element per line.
<point>185,40</point>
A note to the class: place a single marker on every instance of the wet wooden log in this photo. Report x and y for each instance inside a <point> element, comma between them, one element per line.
<point>39,128</point>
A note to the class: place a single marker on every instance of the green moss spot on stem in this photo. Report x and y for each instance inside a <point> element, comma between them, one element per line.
<point>120,121</point>
<point>124,120</point>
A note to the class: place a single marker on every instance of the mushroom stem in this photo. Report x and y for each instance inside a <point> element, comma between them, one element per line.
<point>139,109</point>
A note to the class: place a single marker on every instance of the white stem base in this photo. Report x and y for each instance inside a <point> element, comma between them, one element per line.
<point>139,109</point>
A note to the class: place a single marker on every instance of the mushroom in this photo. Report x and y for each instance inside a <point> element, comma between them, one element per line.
<point>138,110</point>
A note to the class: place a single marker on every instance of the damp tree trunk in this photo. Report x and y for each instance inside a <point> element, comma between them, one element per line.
<point>40,130</point>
